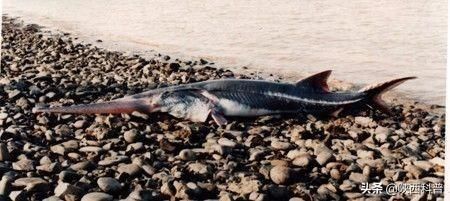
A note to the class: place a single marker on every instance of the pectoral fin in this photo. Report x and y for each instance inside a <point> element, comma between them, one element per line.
<point>218,117</point>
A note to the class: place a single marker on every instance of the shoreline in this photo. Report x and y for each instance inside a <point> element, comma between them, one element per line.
<point>155,156</point>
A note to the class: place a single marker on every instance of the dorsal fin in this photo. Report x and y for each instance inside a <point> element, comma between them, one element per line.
<point>317,81</point>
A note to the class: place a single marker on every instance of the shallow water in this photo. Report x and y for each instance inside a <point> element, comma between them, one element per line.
<point>363,41</point>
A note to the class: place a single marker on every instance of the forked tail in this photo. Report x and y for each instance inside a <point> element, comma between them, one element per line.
<point>375,92</point>
<point>112,107</point>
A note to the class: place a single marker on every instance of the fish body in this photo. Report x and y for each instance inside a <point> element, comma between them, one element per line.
<point>237,97</point>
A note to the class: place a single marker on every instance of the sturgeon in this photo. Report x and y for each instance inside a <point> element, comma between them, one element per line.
<point>239,97</point>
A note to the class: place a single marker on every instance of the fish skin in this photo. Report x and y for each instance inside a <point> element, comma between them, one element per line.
<point>273,97</point>
<point>238,97</point>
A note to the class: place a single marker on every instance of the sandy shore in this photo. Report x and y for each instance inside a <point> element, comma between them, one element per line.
<point>154,157</point>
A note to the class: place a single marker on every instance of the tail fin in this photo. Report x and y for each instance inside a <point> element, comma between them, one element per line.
<point>375,92</point>
<point>112,107</point>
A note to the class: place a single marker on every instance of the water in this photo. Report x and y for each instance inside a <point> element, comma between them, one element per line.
<point>363,41</point>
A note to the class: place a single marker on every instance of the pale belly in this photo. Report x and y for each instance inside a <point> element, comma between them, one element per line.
<point>233,108</point>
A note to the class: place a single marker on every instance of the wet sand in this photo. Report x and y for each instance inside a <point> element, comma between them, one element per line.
<point>156,156</point>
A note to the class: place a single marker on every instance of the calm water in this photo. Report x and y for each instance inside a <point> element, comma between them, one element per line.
<point>363,41</point>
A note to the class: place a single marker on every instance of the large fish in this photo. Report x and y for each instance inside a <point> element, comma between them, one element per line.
<point>237,97</point>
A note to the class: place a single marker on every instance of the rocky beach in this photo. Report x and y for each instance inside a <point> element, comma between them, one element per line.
<point>158,157</point>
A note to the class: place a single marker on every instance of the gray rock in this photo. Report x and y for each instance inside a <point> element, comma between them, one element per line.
<point>91,149</point>
<point>24,165</point>
<point>18,196</point>
<point>199,168</point>
<point>97,196</point>
<point>226,142</point>
<point>83,165</point>
<point>3,115</point>
<point>323,154</point>
<point>108,184</point>
<point>58,149</point>
<point>68,176</point>
<point>130,169</point>
<point>142,194</point>
<point>279,145</point>
<point>52,198</point>
<point>246,186</point>
<point>257,153</point>
<point>358,177</point>
<point>32,183</point>
<point>5,185</point>
<point>45,160</point>
<point>71,145</point>
<point>49,167</point>
<point>4,153</point>
<point>63,189</point>
<point>187,155</point>
<point>80,124</point>
<point>112,160</point>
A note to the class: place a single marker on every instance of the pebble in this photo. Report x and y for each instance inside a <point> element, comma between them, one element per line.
<point>382,133</point>
<point>5,185</point>
<point>58,149</point>
<point>226,142</point>
<point>18,196</point>
<point>302,161</point>
<point>63,189</point>
<point>437,161</point>
<point>187,155</point>
<point>80,124</point>
<point>23,165</point>
<point>280,174</point>
<point>91,149</point>
<point>108,184</point>
<point>365,154</point>
<point>97,196</point>
<point>3,115</point>
<point>323,154</point>
<point>130,136</point>
<point>112,160</point>
<point>83,165</point>
<point>199,168</point>
<point>424,165</point>
<point>364,121</point>
<point>68,176</point>
<point>257,153</point>
<point>4,153</point>
<point>358,177</point>
<point>131,169</point>
<point>32,183</point>
<point>335,174</point>
<point>278,145</point>
<point>52,198</point>
<point>414,171</point>
<point>245,187</point>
